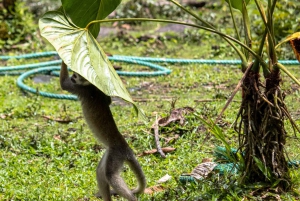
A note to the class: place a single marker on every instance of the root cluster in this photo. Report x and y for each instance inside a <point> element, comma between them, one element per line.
<point>262,135</point>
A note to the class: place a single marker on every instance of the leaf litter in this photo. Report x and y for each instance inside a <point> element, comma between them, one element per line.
<point>176,115</point>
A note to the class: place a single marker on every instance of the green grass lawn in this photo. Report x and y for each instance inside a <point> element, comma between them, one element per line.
<point>47,151</point>
<point>42,159</point>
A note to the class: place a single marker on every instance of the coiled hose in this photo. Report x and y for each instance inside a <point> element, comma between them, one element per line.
<point>50,67</point>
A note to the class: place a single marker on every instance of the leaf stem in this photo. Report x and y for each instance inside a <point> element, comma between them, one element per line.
<point>238,51</point>
<point>282,67</point>
<point>271,38</point>
<point>192,14</point>
<point>247,33</point>
<point>233,21</point>
<point>225,36</point>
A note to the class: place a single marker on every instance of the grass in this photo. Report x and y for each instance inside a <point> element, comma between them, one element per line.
<point>42,159</point>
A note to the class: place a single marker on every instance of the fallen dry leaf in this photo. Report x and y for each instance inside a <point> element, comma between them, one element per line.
<point>164,179</point>
<point>63,121</point>
<point>175,115</point>
<point>153,189</point>
<point>202,170</point>
<point>153,151</point>
<point>171,139</point>
<point>57,137</point>
<point>204,160</point>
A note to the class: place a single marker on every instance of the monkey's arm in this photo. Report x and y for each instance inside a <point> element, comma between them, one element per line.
<point>65,81</point>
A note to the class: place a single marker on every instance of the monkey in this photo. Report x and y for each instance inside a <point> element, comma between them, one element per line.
<point>96,111</point>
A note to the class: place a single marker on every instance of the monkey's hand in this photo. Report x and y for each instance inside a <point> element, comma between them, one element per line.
<point>65,81</point>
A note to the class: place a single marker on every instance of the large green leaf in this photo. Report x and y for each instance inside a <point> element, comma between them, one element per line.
<point>82,53</point>
<point>237,4</point>
<point>84,11</point>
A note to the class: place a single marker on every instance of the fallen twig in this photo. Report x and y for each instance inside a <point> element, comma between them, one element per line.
<point>155,128</point>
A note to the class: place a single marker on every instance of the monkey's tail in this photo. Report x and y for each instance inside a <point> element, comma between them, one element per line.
<point>137,170</point>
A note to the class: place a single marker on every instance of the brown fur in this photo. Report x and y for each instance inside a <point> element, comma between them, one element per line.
<point>95,107</point>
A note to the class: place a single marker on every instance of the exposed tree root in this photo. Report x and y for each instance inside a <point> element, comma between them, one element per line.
<point>262,135</point>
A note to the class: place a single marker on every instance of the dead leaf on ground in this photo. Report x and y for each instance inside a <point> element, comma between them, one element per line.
<point>164,179</point>
<point>203,170</point>
<point>153,189</point>
<point>175,115</point>
<point>63,121</point>
<point>57,137</point>
<point>204,160</point>
<point>171,139</point>
<point>271,196</point>
<point>153,151</point>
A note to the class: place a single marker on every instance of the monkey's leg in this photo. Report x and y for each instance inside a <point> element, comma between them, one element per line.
<point>103,185</point>
<point>113,166</point>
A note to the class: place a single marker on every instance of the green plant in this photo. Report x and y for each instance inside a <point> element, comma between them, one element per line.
<point>17,27</point>
<point>260,120</point>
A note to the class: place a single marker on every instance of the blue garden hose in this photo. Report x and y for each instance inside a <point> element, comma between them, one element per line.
<point>43,70</point>
<point>227,167</point>
<point>51,66</point>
